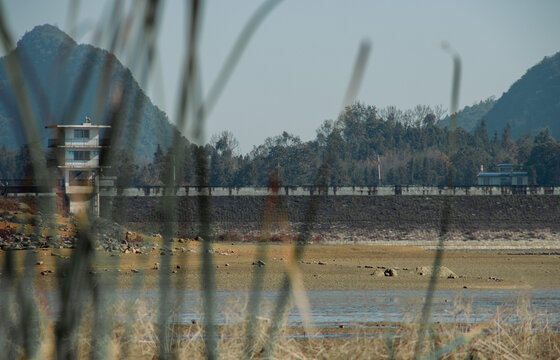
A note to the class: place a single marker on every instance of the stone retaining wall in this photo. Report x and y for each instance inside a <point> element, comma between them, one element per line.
<point>343,213</point>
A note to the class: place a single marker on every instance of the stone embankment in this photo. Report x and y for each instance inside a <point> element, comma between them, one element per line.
<point>343,217</point>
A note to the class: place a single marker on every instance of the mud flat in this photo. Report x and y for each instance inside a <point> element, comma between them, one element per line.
<point>350,270</point>
<point>323,267</point>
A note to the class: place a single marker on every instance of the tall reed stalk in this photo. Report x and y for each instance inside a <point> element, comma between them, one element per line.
<point>133,32</point>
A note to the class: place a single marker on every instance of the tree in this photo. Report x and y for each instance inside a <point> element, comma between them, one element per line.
<point>467,162</point>
<point>324,131</point>
<point>419,113</point>
<point>126,171</point>
<point>543,136</point>
<point>225,143</point>
<point>157,168</point>
<point>525,145</point>
<point>545,162</point>
<point>24,163</point>
<point>223,163</point>
<point>506,135</point>
<point>481,135</point>
<point>8,164</point>
<point>429,120</point>
<point>159,157</point>
<point>337,176</point>
<point>188,166</point>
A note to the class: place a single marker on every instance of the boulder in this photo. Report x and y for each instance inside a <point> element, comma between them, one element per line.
<point>390,272</point>
<point>23,207</point>
<point>443,272</point>
<point>378,273</point>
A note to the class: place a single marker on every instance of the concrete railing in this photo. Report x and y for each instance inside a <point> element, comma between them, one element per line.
<point>310,190</point>
<point>333,191</point>
<point>76,143</point>
<point>91,163</point>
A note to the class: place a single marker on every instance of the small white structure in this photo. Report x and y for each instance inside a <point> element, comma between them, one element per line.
<point>504,177</point>
<point>78,148</point>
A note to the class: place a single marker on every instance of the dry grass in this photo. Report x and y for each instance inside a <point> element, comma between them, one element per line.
<point>513,333</point>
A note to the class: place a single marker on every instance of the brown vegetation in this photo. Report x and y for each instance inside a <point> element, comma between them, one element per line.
<point>513,333</point>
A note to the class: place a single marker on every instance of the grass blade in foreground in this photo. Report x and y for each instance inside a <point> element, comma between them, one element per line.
<point>425,320</point>
<point>314,203</point>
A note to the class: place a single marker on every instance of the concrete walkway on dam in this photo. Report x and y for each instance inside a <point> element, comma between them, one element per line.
<point>333,191</point>
<point>386,190</point>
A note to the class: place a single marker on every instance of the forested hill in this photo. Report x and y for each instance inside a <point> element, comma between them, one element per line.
<point>64,80</point>
<point>469,117</point>
<point>532,103</point>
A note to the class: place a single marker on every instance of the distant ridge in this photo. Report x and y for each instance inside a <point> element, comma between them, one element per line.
<point>56,70</point>
<point>532,103</point>
<point>469,117</point>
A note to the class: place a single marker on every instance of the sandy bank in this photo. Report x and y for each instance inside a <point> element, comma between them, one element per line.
<point>323,267</point>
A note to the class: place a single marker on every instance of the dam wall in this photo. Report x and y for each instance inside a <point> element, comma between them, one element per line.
<point>389,212</point>
<point>345,216</point>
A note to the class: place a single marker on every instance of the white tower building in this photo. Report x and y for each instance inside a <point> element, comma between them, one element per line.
<point>78,148</point>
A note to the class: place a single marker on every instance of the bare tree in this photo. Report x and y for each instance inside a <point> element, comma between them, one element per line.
<point>225,143</point>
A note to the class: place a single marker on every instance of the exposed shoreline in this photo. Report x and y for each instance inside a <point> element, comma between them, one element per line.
<point>323,267</point>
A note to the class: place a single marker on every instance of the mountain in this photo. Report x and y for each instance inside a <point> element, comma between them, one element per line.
<point>532,103</point>
<point>65,82</point>
<point>469,117</point>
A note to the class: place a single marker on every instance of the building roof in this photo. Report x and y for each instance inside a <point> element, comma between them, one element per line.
<point>82,167</point>
<point>84,125</point>
<point>500,174</point>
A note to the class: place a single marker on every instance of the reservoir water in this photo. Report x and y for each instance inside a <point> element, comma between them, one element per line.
<point>332,308</point>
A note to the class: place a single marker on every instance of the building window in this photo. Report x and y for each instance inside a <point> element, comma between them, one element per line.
<point>79,178</point>
<point>505,168</point>
<point>505,181</point>
<point>81,155</point>
<point>81,134</point>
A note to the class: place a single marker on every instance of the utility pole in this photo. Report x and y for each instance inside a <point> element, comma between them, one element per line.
<point>378,171</point>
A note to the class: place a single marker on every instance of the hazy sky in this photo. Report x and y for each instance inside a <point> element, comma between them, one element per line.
<point>295,70</point>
